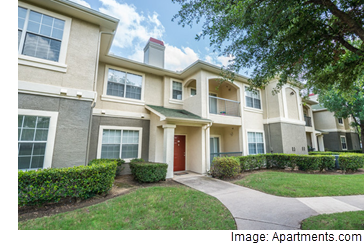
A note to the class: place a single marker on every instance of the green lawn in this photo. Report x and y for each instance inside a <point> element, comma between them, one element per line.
<point>152,208</point>
<point>338,221</point>
<point>304,185</point>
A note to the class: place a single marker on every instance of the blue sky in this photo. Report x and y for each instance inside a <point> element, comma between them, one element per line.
<point>141,19</point>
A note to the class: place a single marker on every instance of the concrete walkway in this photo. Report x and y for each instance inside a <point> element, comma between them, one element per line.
<point>254,210</point>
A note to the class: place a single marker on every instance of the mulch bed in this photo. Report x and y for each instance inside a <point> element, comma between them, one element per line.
<point>123,185</point>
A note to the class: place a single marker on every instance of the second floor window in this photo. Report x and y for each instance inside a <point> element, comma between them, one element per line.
<point>177,90</point>
<point>39,35</point>
<point>340,120</point>
<point>124,84</point>
<point>252,98</point>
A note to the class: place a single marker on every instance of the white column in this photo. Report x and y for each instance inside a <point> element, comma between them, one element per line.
<point>321,143</point>
<point>168,148</point>
<point>314,141</point>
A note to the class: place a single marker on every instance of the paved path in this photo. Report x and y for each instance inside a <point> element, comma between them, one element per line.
<point>254,210</point>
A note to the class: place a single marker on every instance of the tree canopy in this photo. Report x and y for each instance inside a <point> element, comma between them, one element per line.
<point>346,104</point>
<point>292,39</point>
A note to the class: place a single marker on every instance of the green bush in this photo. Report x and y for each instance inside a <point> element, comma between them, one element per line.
<point>281,160</point>
<point>252,162</point>
<point>225,167</point>
<point>119,163</point>
<point>327,162</point>
<point>351,162</point>
<point>50,185</point>
<point>308,163</point>
<point>148,172</point>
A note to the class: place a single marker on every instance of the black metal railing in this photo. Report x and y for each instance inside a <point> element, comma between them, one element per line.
<point>308,121</point>
<point>222,106</point>
<point>224,154</point>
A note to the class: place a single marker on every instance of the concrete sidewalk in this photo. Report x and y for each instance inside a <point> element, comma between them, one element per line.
<point>254,210</point>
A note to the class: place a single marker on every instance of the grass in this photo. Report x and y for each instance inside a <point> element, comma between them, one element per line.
<point>339,221</point>
<point>152,208</point>
<point>304,185</point>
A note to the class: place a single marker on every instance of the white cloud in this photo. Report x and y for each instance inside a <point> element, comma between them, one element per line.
<point>134,29</point>
<point>82,2</point>
<point>177,59</point>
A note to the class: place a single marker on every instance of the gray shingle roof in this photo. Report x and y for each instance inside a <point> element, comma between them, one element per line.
<point>176,113</point>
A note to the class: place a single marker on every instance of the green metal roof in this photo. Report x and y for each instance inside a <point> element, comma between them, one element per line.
<point>317,107</point>
<point>177,113</point>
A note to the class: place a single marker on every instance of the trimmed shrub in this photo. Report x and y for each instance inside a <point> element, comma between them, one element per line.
<point>327,162</point>
<point>351,162</point>
<point>148,172</point>
<point>225,167</point>
<point>119,163</point>
<point>51,185</point>
<point>281,160</point>
<point>252,162</point>
<point>308,163</point>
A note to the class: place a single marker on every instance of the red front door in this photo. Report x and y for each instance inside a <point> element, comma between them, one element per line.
<point>179,153</point>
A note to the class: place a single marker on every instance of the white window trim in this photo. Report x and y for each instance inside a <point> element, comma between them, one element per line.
<point>192,88</point>
<point>44,63</point>
<point>171,100</point>
<point>99,142</point>
<point>51,132</point>
<point>341,124</point>
<point>346,143</point>
<point>220,144</point>
<point>257,110</point>
<point>106,97</point>
<point>247,140</point>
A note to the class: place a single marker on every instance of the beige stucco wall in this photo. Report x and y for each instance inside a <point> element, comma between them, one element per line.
<point>253,120</point>
<point>324,120</point>
<point>272,105</point>
<point>80,60</point>
<point>292,105</point>
<point>156,135</point>
<point>229,137</point>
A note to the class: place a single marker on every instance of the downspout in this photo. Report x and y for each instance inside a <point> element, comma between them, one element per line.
<point>93,104</point>
<point>268,125</point>
<point>207,142</point>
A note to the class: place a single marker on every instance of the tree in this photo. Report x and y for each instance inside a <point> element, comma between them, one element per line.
<point>292,39</point>
<point>345,104</point>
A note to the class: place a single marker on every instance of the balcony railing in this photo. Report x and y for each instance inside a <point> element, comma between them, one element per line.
<point>224,154</point>
<point>223,106</point>
<point>308,121</point>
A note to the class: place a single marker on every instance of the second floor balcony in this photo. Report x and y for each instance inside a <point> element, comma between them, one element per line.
<point>222,106</point>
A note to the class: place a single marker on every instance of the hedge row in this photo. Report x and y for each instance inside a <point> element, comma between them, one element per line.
<point>351,162</point>
<point>148,172</point>
<point>50,185</point>
<point>119,163</point>
<point>282,161</point>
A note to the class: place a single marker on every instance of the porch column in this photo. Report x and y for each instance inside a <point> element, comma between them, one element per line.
<point>320,139</point>
<point>168,148</point>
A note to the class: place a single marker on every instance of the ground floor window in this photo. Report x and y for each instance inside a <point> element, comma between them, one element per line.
<point>36,133</point>
<point>343,142</point>
<point>255,142</point>
<point>120,142</point>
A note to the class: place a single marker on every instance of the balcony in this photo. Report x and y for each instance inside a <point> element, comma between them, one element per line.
<point>308,121</point>
<point>222,106</point>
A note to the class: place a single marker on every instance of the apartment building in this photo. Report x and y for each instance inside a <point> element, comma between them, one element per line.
<point>338,134</point>
<point>77,102</point>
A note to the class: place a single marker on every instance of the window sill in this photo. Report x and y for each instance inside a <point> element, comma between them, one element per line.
<point>174,101</point>
<point>122,100</point>
<point>41,63</point>
<point>254,110</point>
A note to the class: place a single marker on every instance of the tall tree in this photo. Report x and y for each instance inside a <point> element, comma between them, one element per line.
<point>292,39</point>
<point>346,104</point>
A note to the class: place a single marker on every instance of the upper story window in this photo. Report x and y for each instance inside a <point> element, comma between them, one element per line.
<point>193,92</point>
<point>177,90</point>
<point>39,35</point>
<point>252,98</point>
<point>340,120</point>
<point>124,84</point>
